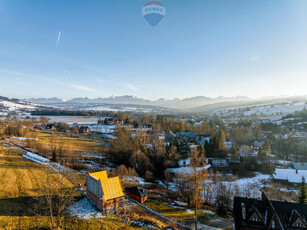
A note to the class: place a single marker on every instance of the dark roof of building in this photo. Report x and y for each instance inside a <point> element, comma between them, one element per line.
<point>84,128</point>
<point>140,192</point>
<point>187,134</point>
<point>170,133</point>
<point>300,166</point>
<point>286,212</point>
<point>257,143</point>
<point>49,126</point>
<point>218,162</point>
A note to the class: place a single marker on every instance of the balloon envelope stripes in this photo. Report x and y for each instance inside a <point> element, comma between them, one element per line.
<point>153,12</point>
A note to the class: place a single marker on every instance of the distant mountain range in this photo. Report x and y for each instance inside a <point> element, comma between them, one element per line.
<point>187,103</point>
<point>135,104</point>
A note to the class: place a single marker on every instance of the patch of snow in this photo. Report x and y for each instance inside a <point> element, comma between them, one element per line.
<point>36,158</point>
<point>258,179</point>
<point>282,162</point>
<point>188,169</point>
<point>24,138</point>
<point>58,168</point>
<point>183,162</point>
<point>102,128</point>
<point>210,212</point>
<point>10,146</point>
<point>84,210</point>
<point>180,203</point>
<point>45,161</point>
<point>242,187</point>
<point>143,224</point>
<point>135,179</point>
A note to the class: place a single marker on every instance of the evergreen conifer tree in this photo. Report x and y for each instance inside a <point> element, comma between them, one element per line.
<point>302,196</point>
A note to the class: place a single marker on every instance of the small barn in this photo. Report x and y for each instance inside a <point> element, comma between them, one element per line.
<point>106,192</point>
<point>136,193</point>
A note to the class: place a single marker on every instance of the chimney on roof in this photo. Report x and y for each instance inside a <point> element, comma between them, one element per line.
<point>296,171</point>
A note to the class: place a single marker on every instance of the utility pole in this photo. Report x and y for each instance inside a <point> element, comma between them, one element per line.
<point>195,215</point>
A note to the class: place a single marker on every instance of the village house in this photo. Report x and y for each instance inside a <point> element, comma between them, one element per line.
<point>290,177</point>
<point>203,139</point>
<point>84,129</point>
<point>246,152</point>
<point>106,192</point>
<point>136,193</point>
<point>256,144</point>
<point>169,136</point>
<point>268,214</point>
<point>187,136</point>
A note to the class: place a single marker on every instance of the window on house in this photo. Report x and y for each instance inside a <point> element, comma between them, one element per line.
<point>298,224</point>
<point>255,218</point>
<point>243,211</point>
<point>273,224</point>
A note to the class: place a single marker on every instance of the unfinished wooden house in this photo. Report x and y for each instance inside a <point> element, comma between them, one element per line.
<point>106,192</point>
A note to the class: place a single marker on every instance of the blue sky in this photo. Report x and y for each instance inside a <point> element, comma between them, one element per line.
<point>201,47</point>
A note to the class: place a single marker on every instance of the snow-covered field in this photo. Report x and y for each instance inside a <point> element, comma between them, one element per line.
<point>241,187</point>
<point>118,109</point>
<point>249,187</point>
<point>81,120</point>
<point>270,110</point>
<point>273,109</point>
<point>11,106</point>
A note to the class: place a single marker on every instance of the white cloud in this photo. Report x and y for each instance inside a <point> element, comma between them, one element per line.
<point>67,84</point>
<point>131,86</point>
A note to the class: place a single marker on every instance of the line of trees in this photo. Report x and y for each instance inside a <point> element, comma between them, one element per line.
<point>147,154</point>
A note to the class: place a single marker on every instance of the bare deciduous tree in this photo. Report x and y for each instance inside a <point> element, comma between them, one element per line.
<point>57,193</point>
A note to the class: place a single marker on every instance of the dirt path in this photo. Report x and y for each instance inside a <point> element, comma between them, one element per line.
<point>159,215</point>
<point>220,222</point>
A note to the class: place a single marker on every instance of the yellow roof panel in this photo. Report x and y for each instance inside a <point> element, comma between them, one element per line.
<point>102,175</point>
<point>111,188</point>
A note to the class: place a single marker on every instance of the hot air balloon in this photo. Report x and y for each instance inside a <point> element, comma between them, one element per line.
<point>153,12</point>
